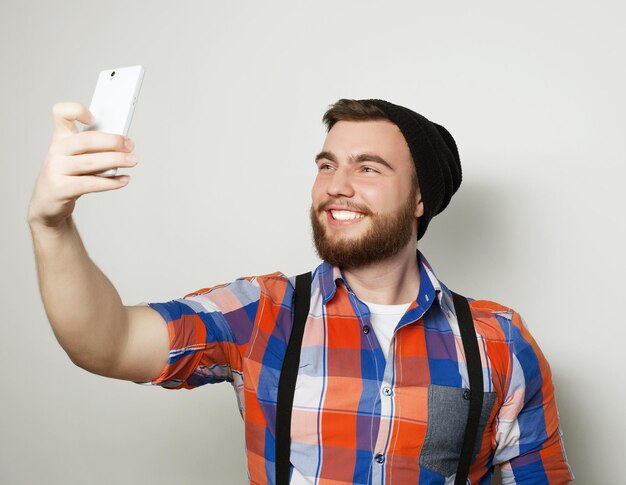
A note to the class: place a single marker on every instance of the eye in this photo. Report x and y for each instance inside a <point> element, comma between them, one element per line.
<point>370,169</point>
<point>323,166</point>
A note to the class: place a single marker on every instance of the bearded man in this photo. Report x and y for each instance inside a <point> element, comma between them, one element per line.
<point>381,380</point>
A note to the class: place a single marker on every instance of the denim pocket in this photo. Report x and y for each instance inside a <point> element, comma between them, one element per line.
<point>448,408</point>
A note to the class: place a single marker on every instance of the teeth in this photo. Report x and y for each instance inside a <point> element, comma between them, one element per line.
<point>346,215</point>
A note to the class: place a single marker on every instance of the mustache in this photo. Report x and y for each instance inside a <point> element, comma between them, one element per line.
<point>344,205</point>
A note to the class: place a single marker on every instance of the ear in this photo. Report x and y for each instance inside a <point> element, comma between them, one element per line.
<point>419,208</point>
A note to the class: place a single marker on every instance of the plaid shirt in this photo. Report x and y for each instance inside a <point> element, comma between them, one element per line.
<point>361,416</point>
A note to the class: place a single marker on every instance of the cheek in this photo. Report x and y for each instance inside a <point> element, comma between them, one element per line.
<point>378,197</point>
<point>318,189</point>
<point>382,198</point>
<point>315,194</point>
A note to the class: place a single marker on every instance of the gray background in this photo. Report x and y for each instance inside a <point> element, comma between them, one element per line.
<point>226,128</point>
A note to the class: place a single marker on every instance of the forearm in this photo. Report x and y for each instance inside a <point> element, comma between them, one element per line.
<point>83,307</point>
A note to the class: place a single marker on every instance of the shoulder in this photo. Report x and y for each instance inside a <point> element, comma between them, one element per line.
<point>246,288</point>
<point>510,346</point>
<point>495,322</point>
<point>498,322</point>
<point>492,320</point>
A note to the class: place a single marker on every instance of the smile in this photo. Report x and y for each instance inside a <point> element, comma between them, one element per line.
<point>346,215</point>
<point>343,217</point>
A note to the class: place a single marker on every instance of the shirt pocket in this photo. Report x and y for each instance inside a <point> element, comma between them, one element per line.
<point>448,408</point>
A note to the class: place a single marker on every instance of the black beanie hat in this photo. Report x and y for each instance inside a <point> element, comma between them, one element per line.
<point>434,154</point>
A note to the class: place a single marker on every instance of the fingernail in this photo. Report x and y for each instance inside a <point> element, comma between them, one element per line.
<point>129,143</point>
<point>131,157</point>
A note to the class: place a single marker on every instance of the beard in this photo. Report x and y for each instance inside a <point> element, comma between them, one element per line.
<point>386,236</point>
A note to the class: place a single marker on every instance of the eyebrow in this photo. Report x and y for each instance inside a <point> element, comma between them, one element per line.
<point>361,157</point>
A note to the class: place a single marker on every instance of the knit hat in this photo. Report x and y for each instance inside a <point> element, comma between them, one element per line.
<point>434,154</point>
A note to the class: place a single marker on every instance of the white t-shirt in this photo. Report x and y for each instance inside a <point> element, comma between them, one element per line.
<point>384,319</point>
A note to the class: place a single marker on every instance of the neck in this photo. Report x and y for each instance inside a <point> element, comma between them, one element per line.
<point>389,282</point>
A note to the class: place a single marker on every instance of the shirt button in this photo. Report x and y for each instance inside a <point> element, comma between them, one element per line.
<point>366,329</point>
<point>380,458</point>
<point>387,391</point>
<point>466,394</point>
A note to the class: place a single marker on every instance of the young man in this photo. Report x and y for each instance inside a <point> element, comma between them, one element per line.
<point>382,377</point>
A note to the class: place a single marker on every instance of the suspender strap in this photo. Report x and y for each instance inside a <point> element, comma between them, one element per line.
<point>475,372</point>
<point>288,376</point>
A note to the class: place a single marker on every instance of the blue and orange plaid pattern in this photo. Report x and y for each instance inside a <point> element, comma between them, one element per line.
<point>361,414</point>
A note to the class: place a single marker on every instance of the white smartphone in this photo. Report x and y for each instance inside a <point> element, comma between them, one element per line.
<point>113,102</point>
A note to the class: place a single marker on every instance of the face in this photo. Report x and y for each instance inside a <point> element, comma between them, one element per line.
<point>364,201</point>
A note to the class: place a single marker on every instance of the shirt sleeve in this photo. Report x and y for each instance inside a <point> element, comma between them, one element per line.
<point>529,445</point>
<point>209,330</point>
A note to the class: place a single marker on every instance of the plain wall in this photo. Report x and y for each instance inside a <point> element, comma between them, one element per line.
<point>226,128</point>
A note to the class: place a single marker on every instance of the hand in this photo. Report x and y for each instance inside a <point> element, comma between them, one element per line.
<point>72,159</point>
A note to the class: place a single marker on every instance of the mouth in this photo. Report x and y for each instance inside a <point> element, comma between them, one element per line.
<point>344,217</point>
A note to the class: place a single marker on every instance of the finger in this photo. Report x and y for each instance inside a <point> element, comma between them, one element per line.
<point>65,113</point>
<point>90,163</point>
<point>92,142</point>
<point>85,184</point>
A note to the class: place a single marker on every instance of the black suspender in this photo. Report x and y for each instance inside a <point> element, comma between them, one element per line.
<point>289,374</point>
<point>475,373</point>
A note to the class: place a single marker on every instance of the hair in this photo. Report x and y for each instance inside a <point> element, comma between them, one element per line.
<point>352,110</point>
<point>357,110</point>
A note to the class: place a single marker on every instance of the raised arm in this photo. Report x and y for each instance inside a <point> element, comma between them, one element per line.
<point>85,311</point>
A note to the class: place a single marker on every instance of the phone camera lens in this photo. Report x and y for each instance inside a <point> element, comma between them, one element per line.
<point>113,74</point>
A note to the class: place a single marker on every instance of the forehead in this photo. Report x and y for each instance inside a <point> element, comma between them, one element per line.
<point>381,137</point>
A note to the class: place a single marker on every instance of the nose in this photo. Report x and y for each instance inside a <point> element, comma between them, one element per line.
<point>340,184</point>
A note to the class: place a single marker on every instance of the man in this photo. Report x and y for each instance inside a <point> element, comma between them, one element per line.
<point>382,372</point>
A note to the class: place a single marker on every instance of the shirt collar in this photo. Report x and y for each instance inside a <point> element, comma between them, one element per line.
<point>430,285</point>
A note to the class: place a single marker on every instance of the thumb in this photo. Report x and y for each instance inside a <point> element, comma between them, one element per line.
<point>64,114</point>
